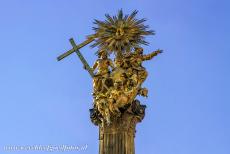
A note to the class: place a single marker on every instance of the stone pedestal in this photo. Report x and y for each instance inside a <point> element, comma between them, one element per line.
<point>118,137</point>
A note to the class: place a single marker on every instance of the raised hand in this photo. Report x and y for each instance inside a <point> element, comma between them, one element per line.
<point>158,51</point>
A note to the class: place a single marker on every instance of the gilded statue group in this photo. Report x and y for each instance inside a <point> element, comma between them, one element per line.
<point>117,83</point>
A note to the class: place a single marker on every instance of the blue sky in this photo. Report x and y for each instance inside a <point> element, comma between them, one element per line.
<point>45,102</point>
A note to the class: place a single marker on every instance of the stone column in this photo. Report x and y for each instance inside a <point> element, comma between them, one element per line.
<point>118,137</point>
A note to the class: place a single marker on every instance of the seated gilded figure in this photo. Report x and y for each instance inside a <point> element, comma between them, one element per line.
<point>103,66</point>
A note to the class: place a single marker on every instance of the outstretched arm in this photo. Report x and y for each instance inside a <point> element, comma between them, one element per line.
<point>151,55</point>
<point>95,65</point>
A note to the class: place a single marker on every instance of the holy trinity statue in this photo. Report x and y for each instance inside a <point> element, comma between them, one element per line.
<point>117,81</point>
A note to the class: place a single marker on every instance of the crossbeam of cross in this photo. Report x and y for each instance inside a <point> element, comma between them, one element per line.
<point>76,50</point>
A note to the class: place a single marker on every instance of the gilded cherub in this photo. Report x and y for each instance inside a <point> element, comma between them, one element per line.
<point>101,104</point>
